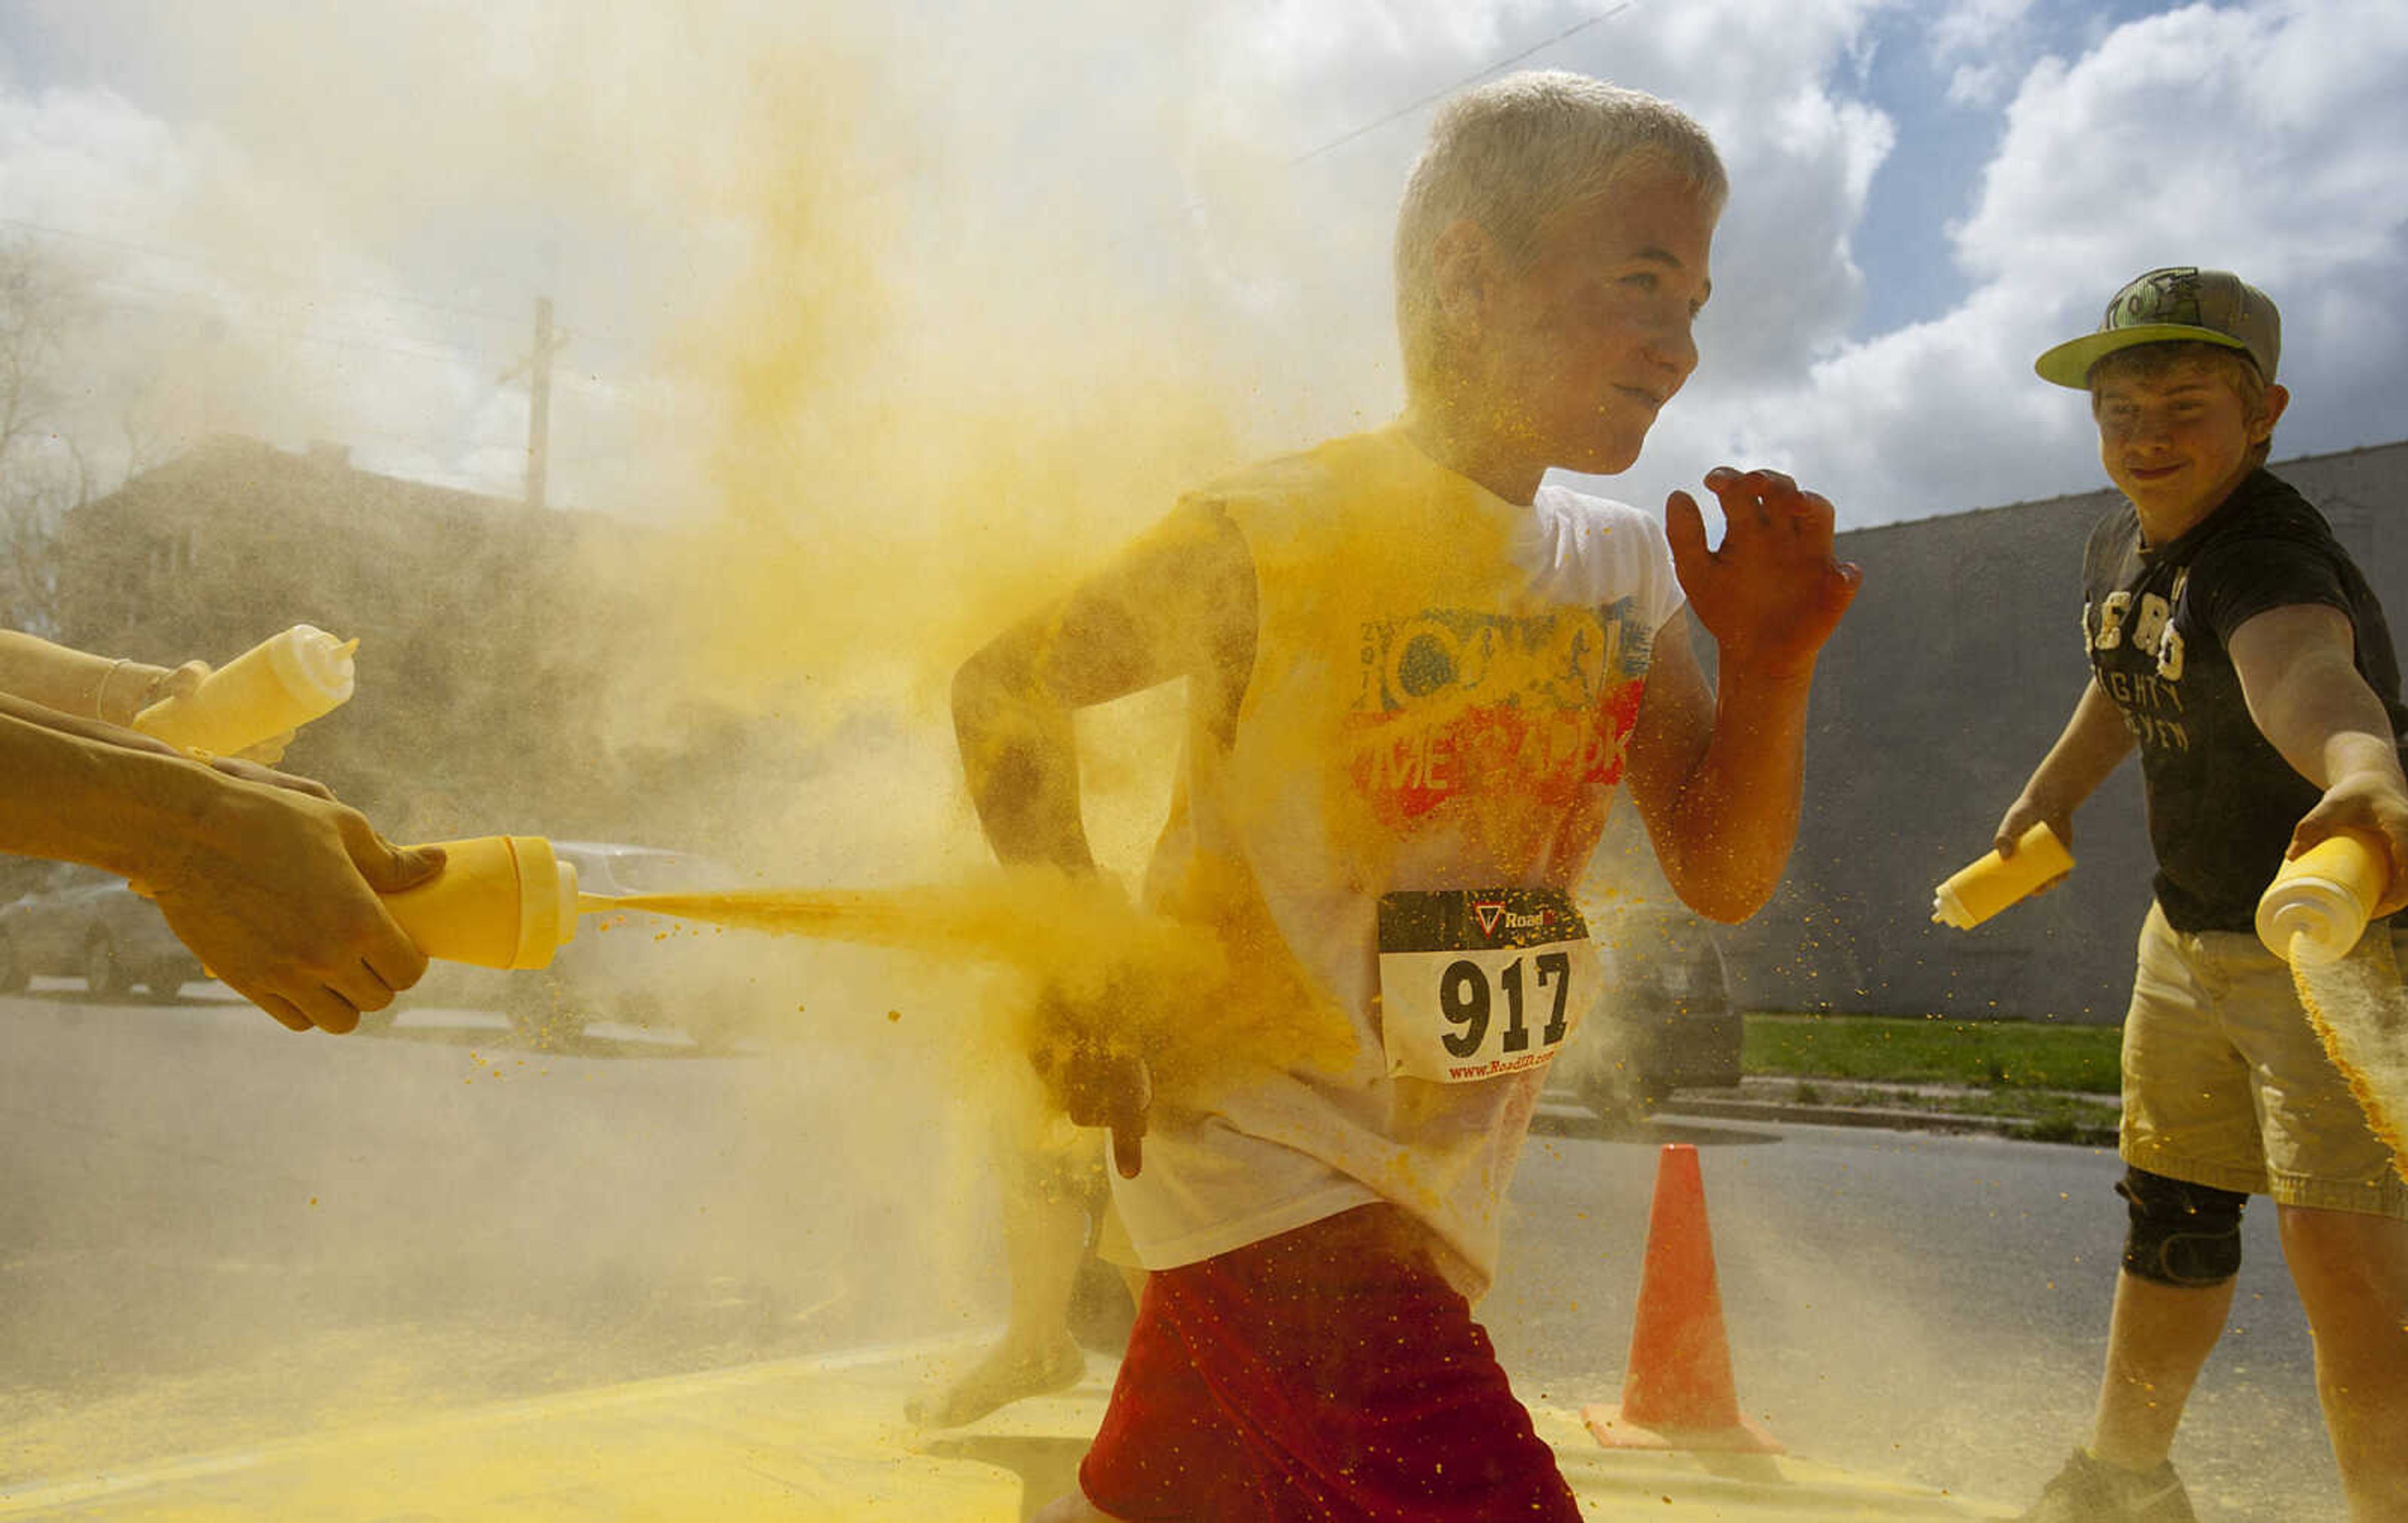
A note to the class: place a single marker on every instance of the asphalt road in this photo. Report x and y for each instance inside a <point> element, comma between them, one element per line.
<point>214,1232</point>
<point>1903,1302</point>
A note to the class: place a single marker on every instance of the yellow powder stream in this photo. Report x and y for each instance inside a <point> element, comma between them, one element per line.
<point>2360,1013</point>
<point>1128,977</point>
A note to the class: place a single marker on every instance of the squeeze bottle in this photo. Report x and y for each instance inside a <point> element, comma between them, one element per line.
<point>1977,892</point>
<point>280,684</point>
<point>500,901</point>
<point>2316,906</point>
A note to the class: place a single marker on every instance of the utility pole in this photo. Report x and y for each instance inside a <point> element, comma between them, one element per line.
<point>538,366</point>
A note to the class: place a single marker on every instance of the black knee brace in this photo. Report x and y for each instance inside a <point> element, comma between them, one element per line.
<point>2181,1233</point>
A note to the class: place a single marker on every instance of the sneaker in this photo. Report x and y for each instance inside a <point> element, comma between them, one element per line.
<point>2089,1490</point>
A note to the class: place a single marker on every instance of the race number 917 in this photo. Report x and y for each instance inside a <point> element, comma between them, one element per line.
<point>1469,1005</point>
<point>1475,984</point>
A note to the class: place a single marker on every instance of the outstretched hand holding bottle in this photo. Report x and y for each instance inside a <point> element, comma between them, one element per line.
<point>275,888</point>
<point>268,880</point>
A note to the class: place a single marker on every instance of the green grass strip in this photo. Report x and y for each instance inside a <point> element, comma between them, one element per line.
<point>1995,1054</point>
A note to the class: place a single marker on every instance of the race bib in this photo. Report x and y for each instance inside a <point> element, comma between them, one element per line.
<point>1477,982</point>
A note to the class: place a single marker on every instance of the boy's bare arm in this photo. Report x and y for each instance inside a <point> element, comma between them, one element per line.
<point>1178,602</point>
<point>1715,772</point>
<point>2297,669</point>
<point>2092,745</point>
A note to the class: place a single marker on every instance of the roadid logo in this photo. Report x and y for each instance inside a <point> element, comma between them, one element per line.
<point>1492,914</point>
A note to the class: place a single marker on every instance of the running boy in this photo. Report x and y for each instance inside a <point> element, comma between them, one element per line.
<point>1416,676</point>
<point>2232,639</point>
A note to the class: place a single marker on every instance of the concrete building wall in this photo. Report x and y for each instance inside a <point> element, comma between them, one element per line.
<point>485,630</point>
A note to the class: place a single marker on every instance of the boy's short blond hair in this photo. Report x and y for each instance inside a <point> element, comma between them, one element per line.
<point>1509,155</point>
<point>2240,372</point>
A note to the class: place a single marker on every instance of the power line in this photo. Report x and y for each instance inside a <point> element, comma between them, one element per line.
<point>1197,202</point>
<point>1433,98</point>
<point>483,315</point>
<point>182,306</point>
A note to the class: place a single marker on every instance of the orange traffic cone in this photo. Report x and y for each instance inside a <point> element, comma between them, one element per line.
<point>1677,1391</point>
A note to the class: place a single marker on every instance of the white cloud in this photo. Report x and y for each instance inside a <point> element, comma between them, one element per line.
<point>1089,179</point>
<point>1977,26</point>
<point>1119,188</point>
<point>1801,149</point>
<point>1980,85</point>
<point>1001,205</point>
<point>2260,138</point>
<point>1983,47</point>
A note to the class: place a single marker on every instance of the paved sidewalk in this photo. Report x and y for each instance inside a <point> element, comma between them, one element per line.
<point>1858,1102</point>
<point>823,1441</point>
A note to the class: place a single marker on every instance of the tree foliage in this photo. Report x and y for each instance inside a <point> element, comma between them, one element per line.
<point>43,471</point>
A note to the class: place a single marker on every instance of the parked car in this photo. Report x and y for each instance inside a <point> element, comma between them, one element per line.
<point>80,921</point>
<point>1663,1020</point>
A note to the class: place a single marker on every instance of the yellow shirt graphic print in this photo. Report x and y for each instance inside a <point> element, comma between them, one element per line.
<point>1455,703</point>
<point>1452,696</point>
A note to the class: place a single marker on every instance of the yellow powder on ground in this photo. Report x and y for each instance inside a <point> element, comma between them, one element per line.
<point>2360,1013</point>
<point>1201,1012</point>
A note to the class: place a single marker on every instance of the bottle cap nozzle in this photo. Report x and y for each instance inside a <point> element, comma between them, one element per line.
<point>1949,910</point>
<point>2306,929</point>
<point>568,899</point>
<point>2317,906</point>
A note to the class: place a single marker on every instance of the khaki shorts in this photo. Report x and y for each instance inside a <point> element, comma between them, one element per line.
<point>2225,1083</point>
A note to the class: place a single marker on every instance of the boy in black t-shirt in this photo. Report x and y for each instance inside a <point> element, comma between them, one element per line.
<point>2233,642</point>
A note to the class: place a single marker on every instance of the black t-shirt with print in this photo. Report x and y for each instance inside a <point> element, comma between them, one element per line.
<point>2222,800</point>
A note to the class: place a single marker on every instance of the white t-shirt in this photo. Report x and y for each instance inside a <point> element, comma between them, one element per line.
<point>1443,687</point>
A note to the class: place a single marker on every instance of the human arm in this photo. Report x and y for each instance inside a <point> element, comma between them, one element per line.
<point>1179,602</point>
<point>88,686</point>
<point>1716,770</point>
<point>272,885</point>
<point>2092,745</point>
<point>2298,671</point>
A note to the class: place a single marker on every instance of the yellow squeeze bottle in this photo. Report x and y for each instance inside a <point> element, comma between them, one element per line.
<point>280,684</point>
<point>2317,906</point>
<point>500,901</point>
<point>1981,889</point>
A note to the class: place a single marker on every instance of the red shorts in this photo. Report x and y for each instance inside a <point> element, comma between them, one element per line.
<point>1328,1374</point>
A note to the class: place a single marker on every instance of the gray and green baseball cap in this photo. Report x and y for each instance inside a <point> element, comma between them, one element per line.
<point>2212,306</point>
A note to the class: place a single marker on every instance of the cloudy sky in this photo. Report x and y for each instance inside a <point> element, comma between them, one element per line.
<point>802,251</point>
